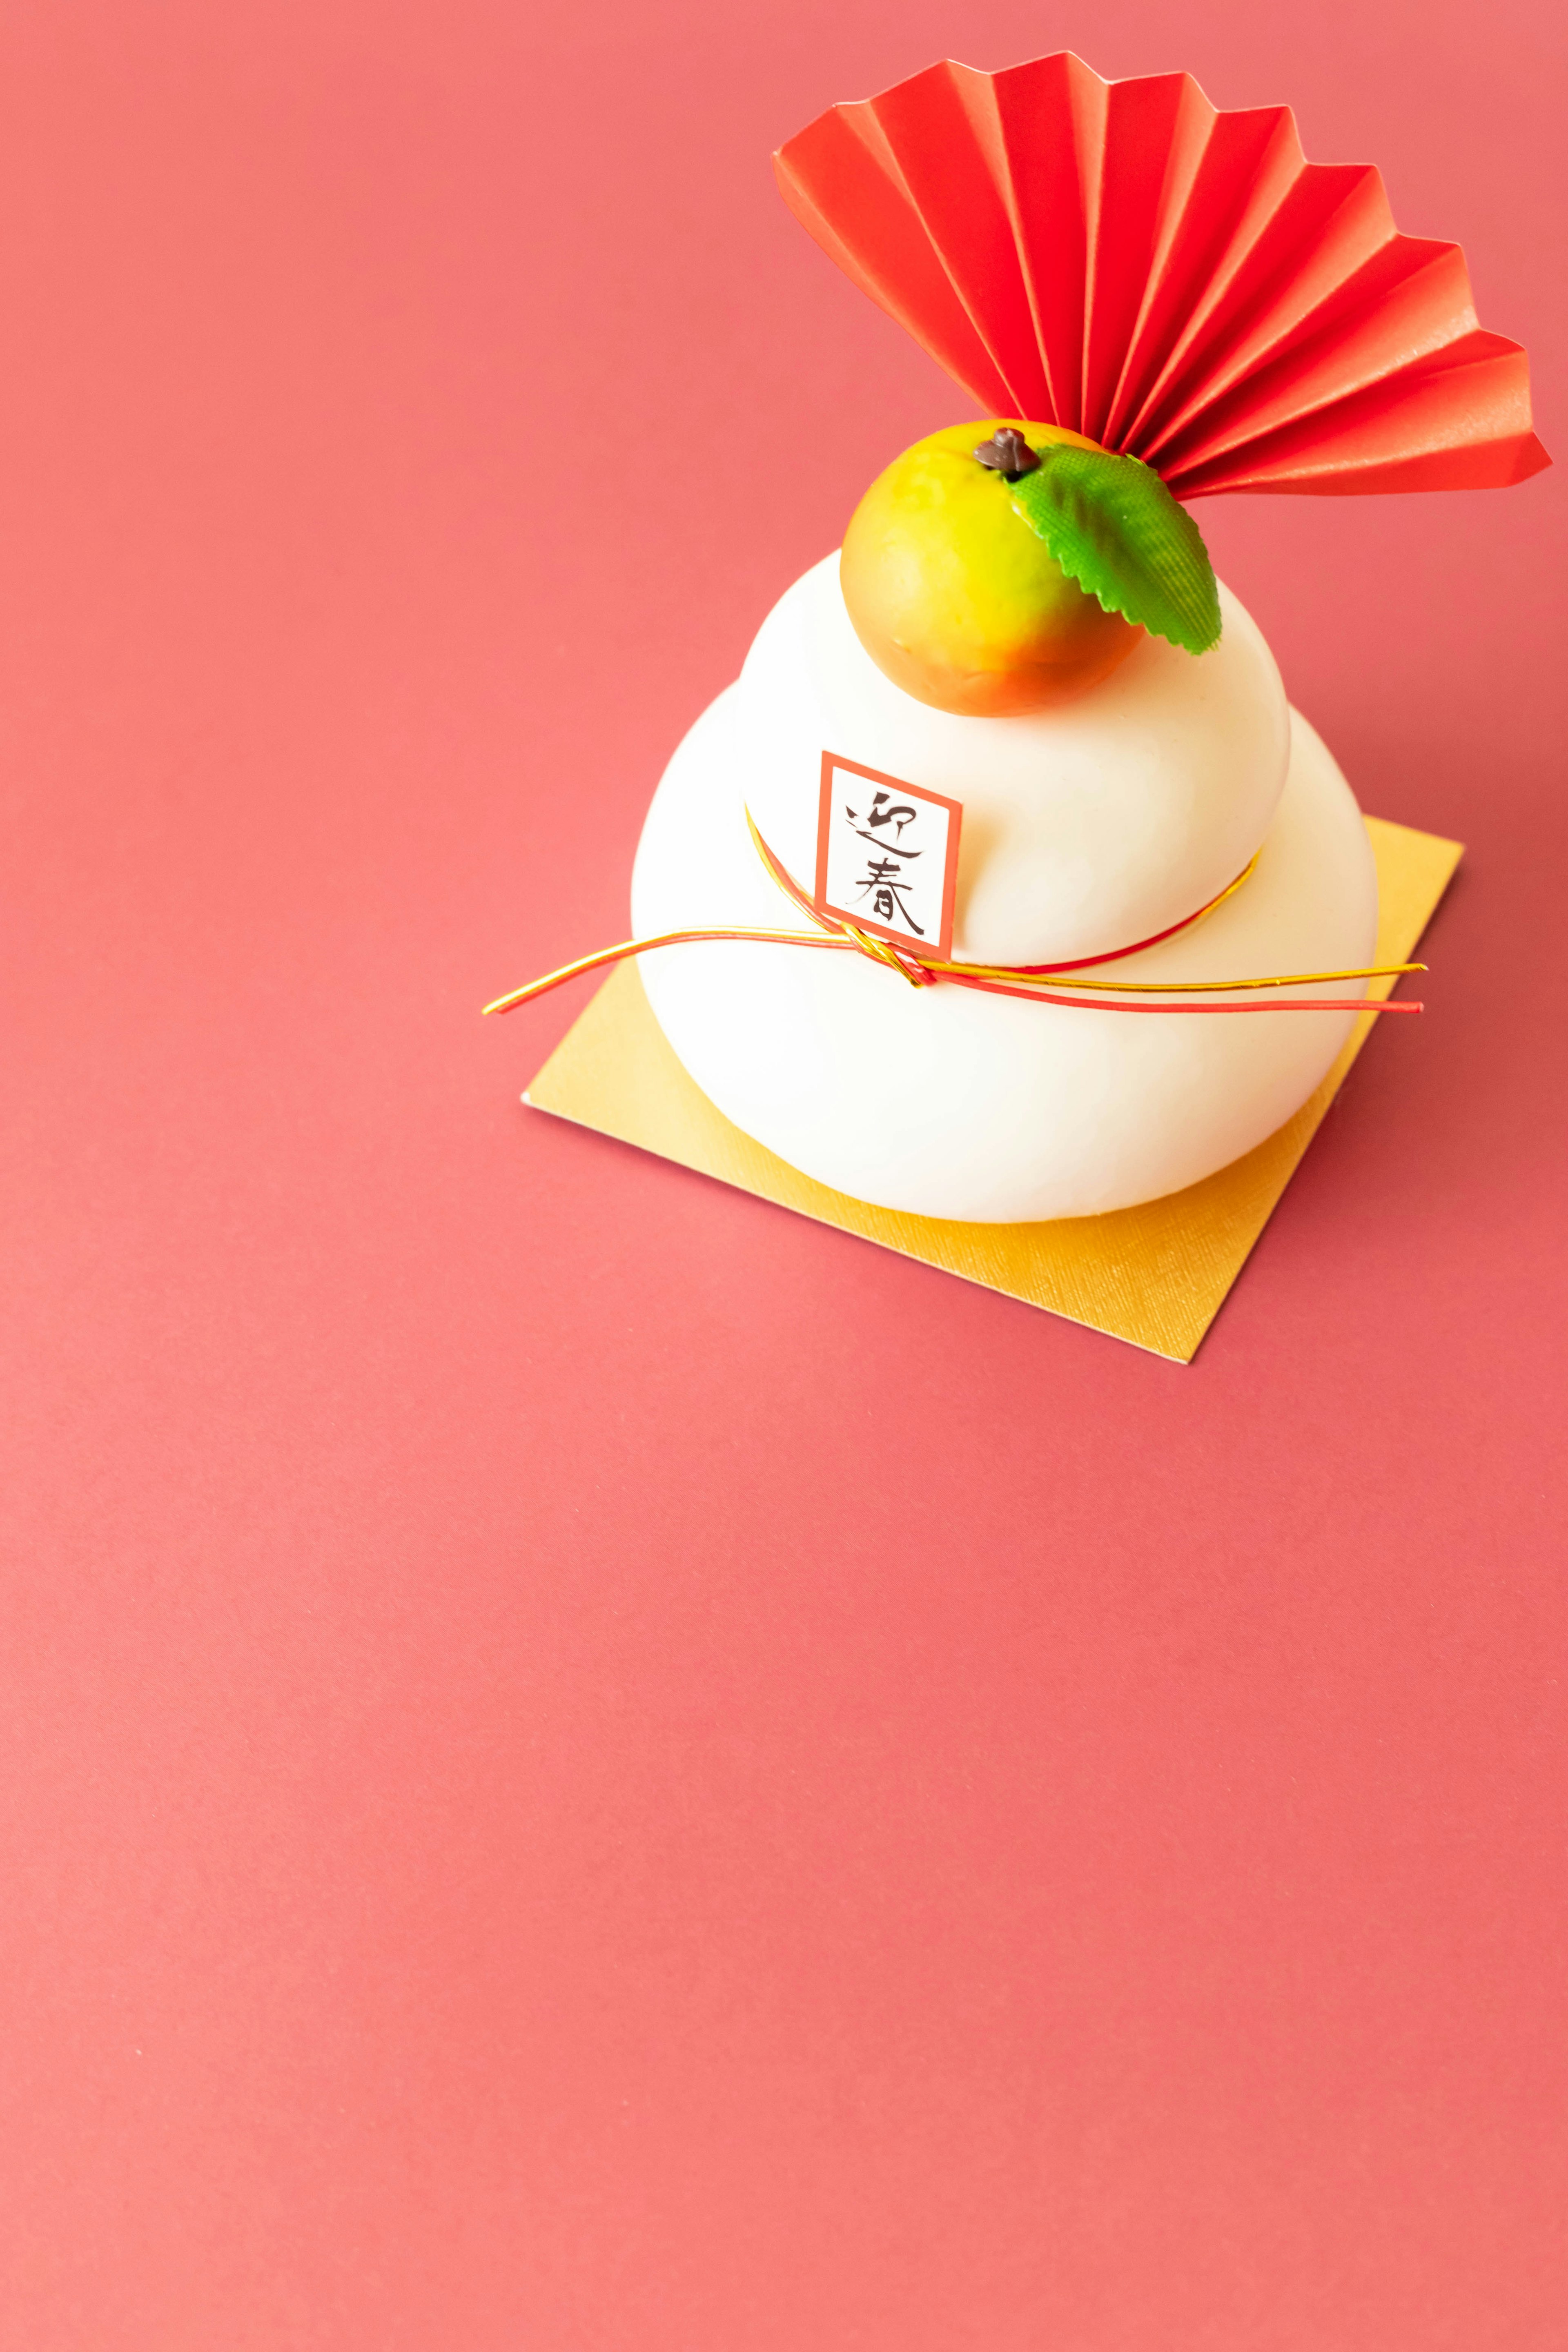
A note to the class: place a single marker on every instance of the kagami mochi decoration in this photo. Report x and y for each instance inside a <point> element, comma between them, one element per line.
<point>1066,833</point>
<point>1179,284</point>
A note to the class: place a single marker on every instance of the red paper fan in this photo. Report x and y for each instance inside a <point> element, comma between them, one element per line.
<point>1178,283</point>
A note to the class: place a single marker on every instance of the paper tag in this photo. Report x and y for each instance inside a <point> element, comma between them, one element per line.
<point>887,856</point>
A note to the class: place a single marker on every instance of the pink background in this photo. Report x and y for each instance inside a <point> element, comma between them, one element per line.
<point>591,1766</point>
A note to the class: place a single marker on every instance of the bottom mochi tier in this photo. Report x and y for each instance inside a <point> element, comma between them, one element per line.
<point>1155,1276</point>
<point>946,1103</point>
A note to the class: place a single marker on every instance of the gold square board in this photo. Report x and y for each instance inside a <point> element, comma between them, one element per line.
<point>1155,1276</point>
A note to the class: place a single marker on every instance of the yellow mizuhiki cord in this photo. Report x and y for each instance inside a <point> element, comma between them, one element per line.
<point>881,949</point>
<point>1031,984</point>
<point>1068,974</point>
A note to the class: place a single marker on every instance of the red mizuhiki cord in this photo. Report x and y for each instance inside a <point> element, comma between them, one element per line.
<point>1004,979</point>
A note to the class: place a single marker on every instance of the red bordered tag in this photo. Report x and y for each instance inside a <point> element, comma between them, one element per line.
<point>887,856</point>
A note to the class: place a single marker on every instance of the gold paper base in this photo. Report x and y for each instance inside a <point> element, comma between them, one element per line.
<point>1156,1276</point>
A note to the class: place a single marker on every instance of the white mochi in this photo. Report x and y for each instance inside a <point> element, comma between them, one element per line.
<point>946,1102</point>
<point>1084,827</point>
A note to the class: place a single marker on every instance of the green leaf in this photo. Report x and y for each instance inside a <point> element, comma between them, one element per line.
<point>1115,528</point>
